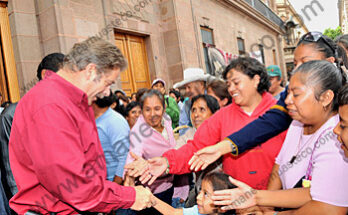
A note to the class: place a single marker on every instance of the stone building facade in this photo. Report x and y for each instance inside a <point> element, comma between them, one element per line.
<point>343,15</point>
<point>295,28</point>
<point>160,38</point>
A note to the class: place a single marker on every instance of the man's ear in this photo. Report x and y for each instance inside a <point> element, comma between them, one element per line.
<point>91,72</point>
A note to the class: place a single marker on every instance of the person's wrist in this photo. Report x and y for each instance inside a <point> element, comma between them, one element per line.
<point>167,163</point>
<point>258,197</point>
<point>225,147</point>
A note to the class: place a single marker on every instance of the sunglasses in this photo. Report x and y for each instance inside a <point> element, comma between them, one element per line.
<point>315,37</point>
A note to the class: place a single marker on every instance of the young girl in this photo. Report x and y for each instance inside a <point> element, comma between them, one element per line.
<point>211,182</point>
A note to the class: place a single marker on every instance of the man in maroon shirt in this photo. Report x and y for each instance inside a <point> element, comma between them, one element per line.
<point>55,153</point>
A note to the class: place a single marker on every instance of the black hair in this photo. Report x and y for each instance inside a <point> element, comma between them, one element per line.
<point>220,89</point>
<point>212,103</point>
<point>176,93</point>
<point>343,96</point>
<point>120,91</point>
<point>220,181</point>
<point>342,56</point>
<point>322,46</point>
<point>106,101</point>
<point>250,67</point>
<point>150,93</point>
<point>329,48</point>
<point>130,106</point>
<point>51,62</point>
<point>140,93</point>
<point>6,104</point>
<point>343,40</point>
<point>119,108</point>
<point>323,76</point>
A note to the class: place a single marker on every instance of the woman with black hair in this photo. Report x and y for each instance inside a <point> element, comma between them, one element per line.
<point>311,46</point>
<point>248,85</point>
<point>342,40</point>
<point>202,108</point>
<point>132,113</point>
<point>152,135</point>
<point>219,90</point>
<point>311,158</point>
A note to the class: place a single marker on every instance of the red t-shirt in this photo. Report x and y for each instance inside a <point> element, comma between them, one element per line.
<point>55,154</point>
<point>253,166</point>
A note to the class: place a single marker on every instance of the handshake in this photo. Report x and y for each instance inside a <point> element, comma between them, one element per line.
<point>143,199</point>
<point>147,171</point>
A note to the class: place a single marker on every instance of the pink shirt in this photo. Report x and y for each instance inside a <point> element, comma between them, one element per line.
<point>330,168</point>
<point>148,143</point>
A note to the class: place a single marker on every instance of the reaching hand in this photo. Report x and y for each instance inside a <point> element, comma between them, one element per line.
<point>143,198</point>
<point>230,199</point>
<point>138,167</point>
<point>157,166</point>
<point>204,157</point>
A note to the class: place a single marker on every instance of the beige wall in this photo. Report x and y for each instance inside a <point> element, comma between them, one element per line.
<point>171,29</point>
<point>228,23</point>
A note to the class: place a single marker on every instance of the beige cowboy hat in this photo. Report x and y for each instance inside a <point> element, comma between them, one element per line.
<point>191,75</point>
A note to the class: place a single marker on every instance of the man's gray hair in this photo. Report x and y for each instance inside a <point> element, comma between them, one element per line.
<point>98,51</point>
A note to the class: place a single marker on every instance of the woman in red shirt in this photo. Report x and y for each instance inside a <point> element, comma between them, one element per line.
<point>248,85</point>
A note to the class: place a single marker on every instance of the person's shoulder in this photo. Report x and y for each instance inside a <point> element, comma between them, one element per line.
<point>191,211</point>
<point>226,109</point>
<point>119,118</point>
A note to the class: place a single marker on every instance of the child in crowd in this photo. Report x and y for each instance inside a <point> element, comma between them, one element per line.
<point>341,129</point>
<point>211,182</point>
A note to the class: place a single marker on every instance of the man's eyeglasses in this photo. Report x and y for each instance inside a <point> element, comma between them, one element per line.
<point>315,37</point>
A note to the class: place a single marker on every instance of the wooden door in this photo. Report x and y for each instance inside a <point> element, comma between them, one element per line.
<point>137,74</point>
<point>3,79</point>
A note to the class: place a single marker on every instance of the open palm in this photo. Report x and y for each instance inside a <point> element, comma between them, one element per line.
<point>157,166</point>
<point>204,157</point>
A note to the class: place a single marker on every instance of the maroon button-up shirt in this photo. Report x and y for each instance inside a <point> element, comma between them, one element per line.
<point>55,154</point>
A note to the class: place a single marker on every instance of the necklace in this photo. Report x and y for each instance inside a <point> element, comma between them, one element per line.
<point>293,158</point>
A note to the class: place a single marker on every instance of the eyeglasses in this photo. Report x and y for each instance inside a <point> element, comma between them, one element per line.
<point>315,36</point>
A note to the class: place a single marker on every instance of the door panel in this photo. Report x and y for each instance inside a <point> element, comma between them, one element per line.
<point>137,75</point>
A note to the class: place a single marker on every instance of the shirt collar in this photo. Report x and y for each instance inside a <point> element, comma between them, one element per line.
<point>75,94</point>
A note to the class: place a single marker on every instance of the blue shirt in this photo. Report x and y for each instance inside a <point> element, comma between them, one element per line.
<point>185,116</point>
<point>113,131</point>
<point>191,211</point>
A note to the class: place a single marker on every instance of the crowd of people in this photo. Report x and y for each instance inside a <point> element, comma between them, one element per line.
<point>249,143</point>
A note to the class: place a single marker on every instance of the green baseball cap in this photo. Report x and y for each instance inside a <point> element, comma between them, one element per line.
<point>274,71</point>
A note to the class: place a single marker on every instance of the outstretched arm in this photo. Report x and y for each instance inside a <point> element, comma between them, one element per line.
<point>270,124</point>
<point>166,209</point>
<point>317,208</point>
<point>231,199</point>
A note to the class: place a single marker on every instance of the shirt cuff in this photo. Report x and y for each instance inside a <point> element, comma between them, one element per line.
<point>234,147</point>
